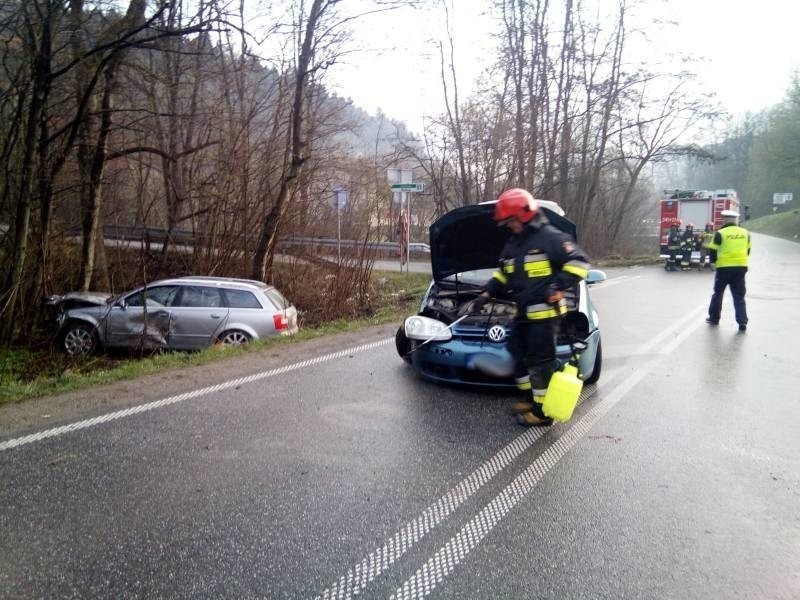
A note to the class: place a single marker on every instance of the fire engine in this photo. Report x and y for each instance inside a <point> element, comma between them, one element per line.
<point>697,207</point>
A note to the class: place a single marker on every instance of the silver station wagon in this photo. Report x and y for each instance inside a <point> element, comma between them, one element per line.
<point>187,313</point>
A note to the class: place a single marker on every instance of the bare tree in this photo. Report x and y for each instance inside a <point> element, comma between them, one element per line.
<point>50,131</point>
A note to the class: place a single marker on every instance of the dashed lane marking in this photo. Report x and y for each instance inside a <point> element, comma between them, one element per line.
<point>445,560</point>
<point>356,579</point>
<point>134,410</point>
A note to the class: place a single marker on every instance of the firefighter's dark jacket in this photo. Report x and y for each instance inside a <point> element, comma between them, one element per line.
<point>533,264</point>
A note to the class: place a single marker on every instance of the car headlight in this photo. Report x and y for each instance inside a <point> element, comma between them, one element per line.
<point>424,328</point>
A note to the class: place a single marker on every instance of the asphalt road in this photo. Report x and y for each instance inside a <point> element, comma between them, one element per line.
<point>334,471</point>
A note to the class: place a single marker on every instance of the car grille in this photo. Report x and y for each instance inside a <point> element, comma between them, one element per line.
<point>473,333</point>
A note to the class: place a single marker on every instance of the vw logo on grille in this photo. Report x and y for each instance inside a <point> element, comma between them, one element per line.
<point>497,333</point>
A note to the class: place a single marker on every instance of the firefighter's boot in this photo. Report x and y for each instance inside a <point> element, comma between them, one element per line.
<point>539,374</point>
<point>521,407</point>
<point>529,419</point>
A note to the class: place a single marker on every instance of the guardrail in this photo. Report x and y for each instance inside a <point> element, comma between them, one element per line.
<point>188,238</point>
<point>333,242</point>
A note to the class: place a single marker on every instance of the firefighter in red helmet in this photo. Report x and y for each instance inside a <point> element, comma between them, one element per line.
<point>537,263</point>
<point>687,245</point>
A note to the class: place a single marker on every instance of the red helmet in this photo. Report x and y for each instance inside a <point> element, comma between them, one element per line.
<point>515,203</point>
<point>690,226</point>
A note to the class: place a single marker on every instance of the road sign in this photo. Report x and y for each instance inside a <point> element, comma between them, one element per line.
<point>339,199</point>
<point>408,187</point>
<point>781,198</point>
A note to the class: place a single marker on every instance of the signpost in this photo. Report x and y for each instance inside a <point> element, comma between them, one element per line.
<point>339,201</point>
<point>402,186</point>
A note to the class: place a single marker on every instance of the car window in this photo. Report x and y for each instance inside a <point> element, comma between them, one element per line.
<point>276,298</point>
<point>242,299</point>
<point>162,295</point>
<point>196,296</point>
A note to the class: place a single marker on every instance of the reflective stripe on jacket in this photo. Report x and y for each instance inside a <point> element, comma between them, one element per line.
<point>732,246</point>
<point>535,312</point>
<point>534,263</point>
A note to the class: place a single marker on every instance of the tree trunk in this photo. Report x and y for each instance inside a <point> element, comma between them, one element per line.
<point>268,237</point>
<point>93,250</point>
<point>94,269</point>
<point>40,89</point>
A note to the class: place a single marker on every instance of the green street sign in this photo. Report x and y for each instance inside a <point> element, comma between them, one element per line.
<point>408,187</point>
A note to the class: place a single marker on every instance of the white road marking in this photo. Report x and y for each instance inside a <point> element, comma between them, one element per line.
<point>56,431</point>
<point>361,574</point>
<point>444,561</point>
<point>357,578</point>
<point>614,281</point>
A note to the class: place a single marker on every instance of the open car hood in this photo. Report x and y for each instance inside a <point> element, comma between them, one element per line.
<point>467,238</point>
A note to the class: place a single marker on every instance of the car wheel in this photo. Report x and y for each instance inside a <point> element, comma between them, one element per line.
<point>79,339</point>
<point>598,364</point>
<point>234,337</point>
<point>402,344</point>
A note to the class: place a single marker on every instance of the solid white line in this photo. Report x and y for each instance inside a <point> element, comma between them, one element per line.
<point>444,561</point>
<point>56,431</point>
<point>371,566</point>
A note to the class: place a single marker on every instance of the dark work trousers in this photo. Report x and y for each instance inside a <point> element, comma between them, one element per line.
<point>533,346</point>
<point>734,277</point>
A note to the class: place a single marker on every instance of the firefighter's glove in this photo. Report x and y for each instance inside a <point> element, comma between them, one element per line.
<point>555,296</point>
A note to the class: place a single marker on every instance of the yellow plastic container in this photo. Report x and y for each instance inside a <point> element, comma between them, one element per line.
<point>562,394</point>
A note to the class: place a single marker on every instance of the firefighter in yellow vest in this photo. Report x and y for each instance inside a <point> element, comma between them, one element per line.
<point>730,251</point>
<point>705,240</point>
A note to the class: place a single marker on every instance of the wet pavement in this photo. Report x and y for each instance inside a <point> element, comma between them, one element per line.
<point>339,472</point>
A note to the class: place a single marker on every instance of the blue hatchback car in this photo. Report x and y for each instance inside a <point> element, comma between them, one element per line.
<point>465,245</point>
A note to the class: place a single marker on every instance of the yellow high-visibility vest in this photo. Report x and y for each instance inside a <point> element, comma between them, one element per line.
<point>734,247</point>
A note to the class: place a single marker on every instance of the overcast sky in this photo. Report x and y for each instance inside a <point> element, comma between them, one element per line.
<point>750,50</point>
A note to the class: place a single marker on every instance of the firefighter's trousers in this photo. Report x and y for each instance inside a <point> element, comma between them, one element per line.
<point>533,346</point>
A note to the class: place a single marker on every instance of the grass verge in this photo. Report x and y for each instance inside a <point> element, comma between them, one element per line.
<point>26,373</point>
<point>784,225</point>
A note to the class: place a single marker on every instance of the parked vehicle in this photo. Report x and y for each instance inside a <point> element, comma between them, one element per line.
<point>465,245</point>
<point>187,313</point>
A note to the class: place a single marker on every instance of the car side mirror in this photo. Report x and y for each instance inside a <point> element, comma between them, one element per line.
<point>121,303</point>
<point>595,276</point>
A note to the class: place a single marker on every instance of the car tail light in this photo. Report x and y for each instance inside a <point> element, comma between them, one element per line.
<point>281,322</point>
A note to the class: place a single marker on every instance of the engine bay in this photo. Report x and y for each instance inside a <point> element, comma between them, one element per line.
<point>444,303</point>
<point>445,306</point>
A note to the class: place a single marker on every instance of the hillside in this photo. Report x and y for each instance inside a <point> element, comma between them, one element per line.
<point>784,225</point>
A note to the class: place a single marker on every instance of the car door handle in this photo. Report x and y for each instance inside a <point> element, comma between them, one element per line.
<point>162,313</point>
<point>215,316</point>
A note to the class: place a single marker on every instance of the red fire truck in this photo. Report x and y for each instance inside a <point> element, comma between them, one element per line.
<point>697,207</point>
